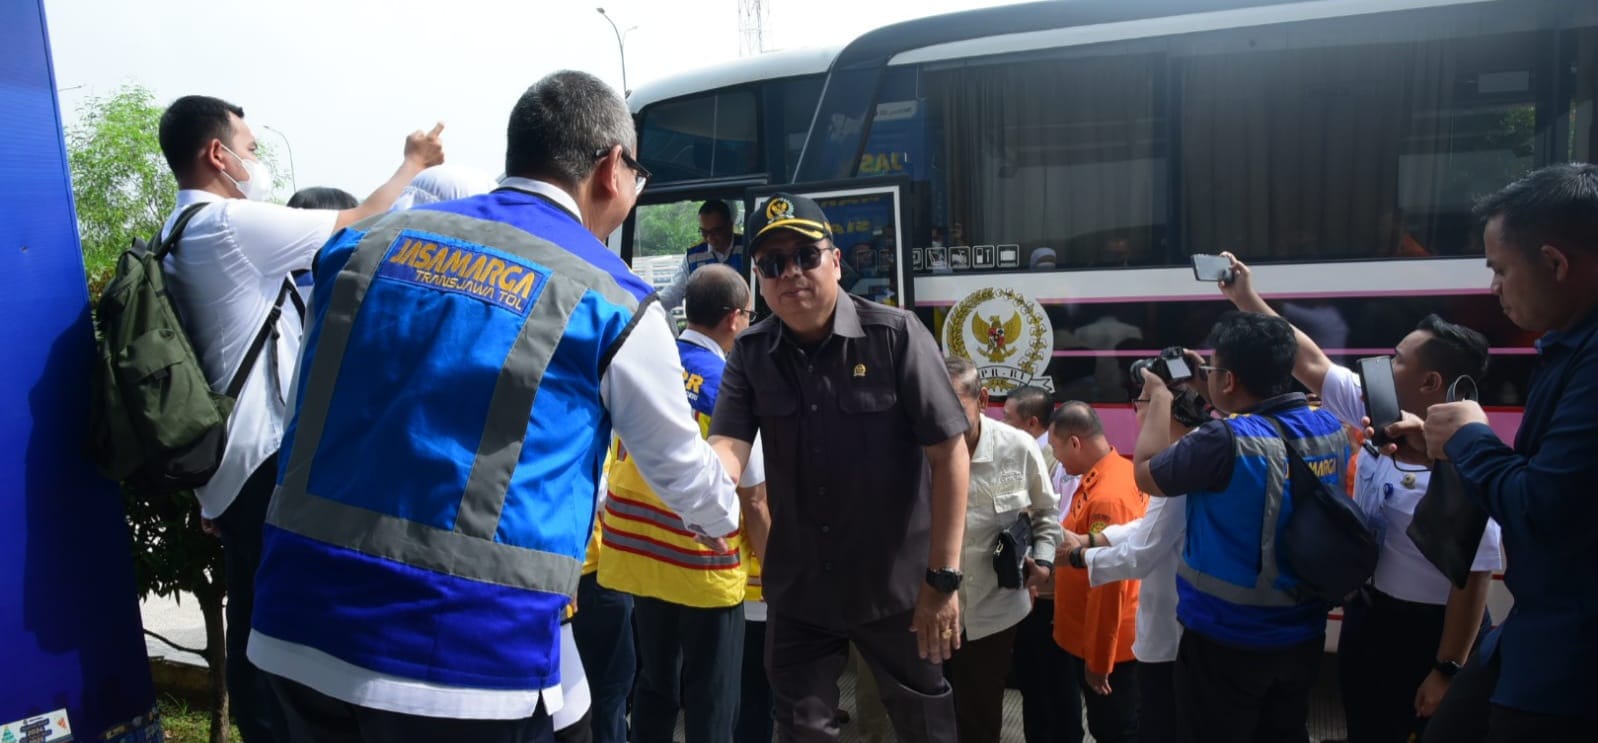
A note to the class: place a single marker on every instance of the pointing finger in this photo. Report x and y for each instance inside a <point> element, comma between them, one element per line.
<point>437,129</point>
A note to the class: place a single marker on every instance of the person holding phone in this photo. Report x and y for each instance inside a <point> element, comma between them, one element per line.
<point>1409,631</point>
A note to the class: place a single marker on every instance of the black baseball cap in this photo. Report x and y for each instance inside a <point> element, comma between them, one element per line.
<point>787,212</point>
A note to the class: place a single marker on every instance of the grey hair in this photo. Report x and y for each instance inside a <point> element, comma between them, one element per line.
<point>963,376</point>
<point>561,122</point>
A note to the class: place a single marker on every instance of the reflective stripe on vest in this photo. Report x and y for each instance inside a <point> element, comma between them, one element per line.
<point>1270,449</point>
<point>470,549</point>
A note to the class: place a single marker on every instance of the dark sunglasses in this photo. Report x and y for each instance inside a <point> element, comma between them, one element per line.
<point>806,257</point>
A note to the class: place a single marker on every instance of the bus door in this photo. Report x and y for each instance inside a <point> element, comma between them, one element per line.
<point>667,223</point>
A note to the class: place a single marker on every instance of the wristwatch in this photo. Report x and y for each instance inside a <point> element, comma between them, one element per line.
<point>1044,564</point>
<point>1077,560</point>
<point>1447,668</point>
<point>944,580</point>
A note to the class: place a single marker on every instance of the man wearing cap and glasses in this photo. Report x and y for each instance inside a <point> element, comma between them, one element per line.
<point>866,475</point>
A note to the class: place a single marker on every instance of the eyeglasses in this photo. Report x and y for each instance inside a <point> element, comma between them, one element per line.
<point>748,314</point>
<point>640,171</point>
<point>715,230</point>
<point>1206,369</point>
<point>806,257</point>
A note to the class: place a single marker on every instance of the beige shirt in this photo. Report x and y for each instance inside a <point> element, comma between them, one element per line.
<point>1007,477</point>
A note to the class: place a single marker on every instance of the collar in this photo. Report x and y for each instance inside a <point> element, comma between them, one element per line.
<point>703,341</point>
<point>545,189</point>
<point>1279,402</point>
<point>1091,477</point>
<point>845,321</point>
<point>196,196</point>
<point>736,247</point>
<point>1571,339</point>
<point>984,450</point>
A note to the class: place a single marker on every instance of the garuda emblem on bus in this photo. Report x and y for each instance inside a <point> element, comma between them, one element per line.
<point>995,336</point>
<point>1006,333</point>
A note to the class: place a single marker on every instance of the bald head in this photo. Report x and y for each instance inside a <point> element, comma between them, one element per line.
<point>713,292</point>
<point>1077,419</point>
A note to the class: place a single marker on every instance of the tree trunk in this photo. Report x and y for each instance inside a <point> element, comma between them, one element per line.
<point>216,658</point>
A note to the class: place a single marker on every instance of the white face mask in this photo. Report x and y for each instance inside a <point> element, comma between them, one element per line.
<point>259,185</point>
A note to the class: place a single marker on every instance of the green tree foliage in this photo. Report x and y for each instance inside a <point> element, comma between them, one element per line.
<point>667,229</point>
<point>120,182</point>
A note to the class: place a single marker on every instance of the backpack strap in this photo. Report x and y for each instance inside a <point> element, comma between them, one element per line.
<point>268,330</point>
<point>171,242</point>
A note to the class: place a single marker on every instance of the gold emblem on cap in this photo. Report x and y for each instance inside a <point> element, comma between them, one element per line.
<point>859,370</point>
<point>779,208</point>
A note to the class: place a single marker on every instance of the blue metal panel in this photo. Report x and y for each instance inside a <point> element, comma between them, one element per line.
<point>69,619</point>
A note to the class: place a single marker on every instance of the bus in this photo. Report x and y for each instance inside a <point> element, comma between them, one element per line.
<point>1031,180</point>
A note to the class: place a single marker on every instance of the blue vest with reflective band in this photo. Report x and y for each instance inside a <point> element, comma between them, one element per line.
<point>1231,584</point>
<point>702,255</point>
<point>437,480</point>
<point>701,362</point>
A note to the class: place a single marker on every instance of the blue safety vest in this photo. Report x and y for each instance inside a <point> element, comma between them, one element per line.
<point>437,481</point>
<point>701,255</point>
<point>1232,585</point>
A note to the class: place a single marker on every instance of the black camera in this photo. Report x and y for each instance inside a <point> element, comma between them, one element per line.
<point>1171,365</point>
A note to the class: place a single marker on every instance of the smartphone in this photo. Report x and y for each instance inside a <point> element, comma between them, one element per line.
<point>1212,268</point>
<point>1381,395</point>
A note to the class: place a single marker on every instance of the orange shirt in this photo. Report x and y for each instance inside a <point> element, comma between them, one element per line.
<point>1098,624</point>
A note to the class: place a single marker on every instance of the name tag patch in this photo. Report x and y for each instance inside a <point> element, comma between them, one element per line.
<point>464,268</point>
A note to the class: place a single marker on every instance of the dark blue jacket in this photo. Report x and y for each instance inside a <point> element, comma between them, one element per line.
<point>1544,493</point>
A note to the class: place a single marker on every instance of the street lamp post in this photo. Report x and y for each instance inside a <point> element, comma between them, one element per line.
<point>621,48</point>
<point>294,179</point>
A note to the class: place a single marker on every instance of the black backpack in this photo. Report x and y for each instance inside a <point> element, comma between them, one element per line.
<point>1326,544</point>
<point>154,420</point>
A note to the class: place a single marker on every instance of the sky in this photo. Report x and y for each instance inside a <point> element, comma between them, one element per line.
<point>345,80</point>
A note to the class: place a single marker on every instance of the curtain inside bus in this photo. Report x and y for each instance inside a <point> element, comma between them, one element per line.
<point>1064,154</point>
<point>1364,151</point>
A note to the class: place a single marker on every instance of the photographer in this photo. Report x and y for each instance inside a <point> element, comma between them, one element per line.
<point>1250,650</point>
<point>1407,633</point>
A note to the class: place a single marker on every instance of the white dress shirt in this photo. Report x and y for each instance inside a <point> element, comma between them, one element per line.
<point>1387,494</point>
<point>1007,478</point>
<point>1147,549</point>
<point>225,274</point>
<point>642,390</point>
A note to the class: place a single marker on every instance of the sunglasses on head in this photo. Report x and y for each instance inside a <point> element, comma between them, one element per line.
<point>806,257</point>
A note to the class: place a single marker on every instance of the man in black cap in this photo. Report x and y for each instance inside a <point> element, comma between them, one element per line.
<point>853,404</point>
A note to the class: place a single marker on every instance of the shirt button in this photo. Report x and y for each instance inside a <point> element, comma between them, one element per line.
<point>821,491</point>
<point>825,529</point>
<point>827,566</point>
<point>811,368</point>
<point>814,407</point>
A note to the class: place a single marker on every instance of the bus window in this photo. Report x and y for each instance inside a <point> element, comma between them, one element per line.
<point>1581,145</point>
<point>1061,161</point>
<point>709,136</point>
<point>664,234</point>
<point>1352,150</point>
<point>790,105</point>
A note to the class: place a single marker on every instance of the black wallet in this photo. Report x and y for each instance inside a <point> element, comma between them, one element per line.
<point>1010,552</point>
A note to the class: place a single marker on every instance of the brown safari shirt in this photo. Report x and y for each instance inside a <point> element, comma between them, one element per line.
<point>842,426</point>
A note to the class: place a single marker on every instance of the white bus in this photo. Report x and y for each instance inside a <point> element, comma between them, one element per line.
<point>1032,179</point>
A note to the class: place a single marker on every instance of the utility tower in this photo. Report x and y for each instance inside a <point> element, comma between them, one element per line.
<point>751,27</point>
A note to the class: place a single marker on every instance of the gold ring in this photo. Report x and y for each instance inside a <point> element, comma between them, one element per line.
<point>948,633</point>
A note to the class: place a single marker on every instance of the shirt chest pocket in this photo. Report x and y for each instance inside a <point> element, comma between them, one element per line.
<point>1014,500</point>
<point>865,400</point>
